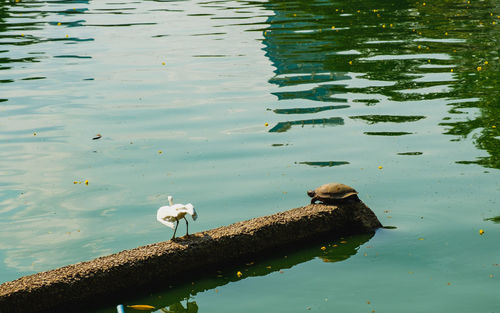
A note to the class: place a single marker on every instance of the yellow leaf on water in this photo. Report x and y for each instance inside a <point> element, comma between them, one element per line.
<point>141,307</point>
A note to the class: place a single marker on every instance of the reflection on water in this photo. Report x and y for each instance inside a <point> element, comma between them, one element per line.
<point>178,307</point>
<point>309,110</point>
<point>285,126</point>
<point>325,163</point>
<point>345,87</point>
<point>387,133</point>
<point>180,297</point>
<point>391,52</point>
<point>495,219</point>
<point>372,119</point>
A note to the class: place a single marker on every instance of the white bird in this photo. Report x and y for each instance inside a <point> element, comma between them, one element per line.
<point>169,214</point>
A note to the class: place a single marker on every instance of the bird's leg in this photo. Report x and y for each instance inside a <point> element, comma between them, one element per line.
<point>173,236</point>
<point>187,230</point>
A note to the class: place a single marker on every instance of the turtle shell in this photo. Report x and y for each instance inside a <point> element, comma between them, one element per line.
<point>335,191</point>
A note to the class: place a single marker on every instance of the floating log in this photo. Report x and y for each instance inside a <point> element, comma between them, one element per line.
<point>105,278</point>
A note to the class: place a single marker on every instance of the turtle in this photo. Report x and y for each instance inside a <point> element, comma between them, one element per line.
<point>332,193</point>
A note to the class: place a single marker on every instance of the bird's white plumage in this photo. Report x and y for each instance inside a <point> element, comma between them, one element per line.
<point>169,214</point>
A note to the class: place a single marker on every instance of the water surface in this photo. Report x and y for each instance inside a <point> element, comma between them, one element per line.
<point>239,107</point>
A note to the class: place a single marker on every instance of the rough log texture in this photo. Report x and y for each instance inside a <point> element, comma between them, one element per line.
<point>105,277</point>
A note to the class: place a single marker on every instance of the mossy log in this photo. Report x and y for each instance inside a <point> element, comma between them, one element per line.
<point>102,279</point>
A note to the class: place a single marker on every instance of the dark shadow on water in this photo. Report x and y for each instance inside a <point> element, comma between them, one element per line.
<point>373,119</point>
<point>181,297</point>
<point>310,110</point>
<point>387,133</point>
<point>495,219</point>
<point>285,126</point>
<point>178,307</point>
<point>324,163</point>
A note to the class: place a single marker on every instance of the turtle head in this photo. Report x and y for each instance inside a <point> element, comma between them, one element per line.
<point>311,193</point>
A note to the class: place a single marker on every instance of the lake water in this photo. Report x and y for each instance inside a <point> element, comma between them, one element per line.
<point>239,107</point>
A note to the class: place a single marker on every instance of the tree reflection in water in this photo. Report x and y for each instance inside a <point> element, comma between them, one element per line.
<point>335,250</point>
<point>386,52</point>
<point>177,307</point>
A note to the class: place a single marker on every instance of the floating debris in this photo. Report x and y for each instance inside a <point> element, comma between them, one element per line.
<point>481,232</point>
<point>141,307</point>
<point>98,136</point>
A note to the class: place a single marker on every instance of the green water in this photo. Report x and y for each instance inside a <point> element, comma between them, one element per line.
<point>345,88</point>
